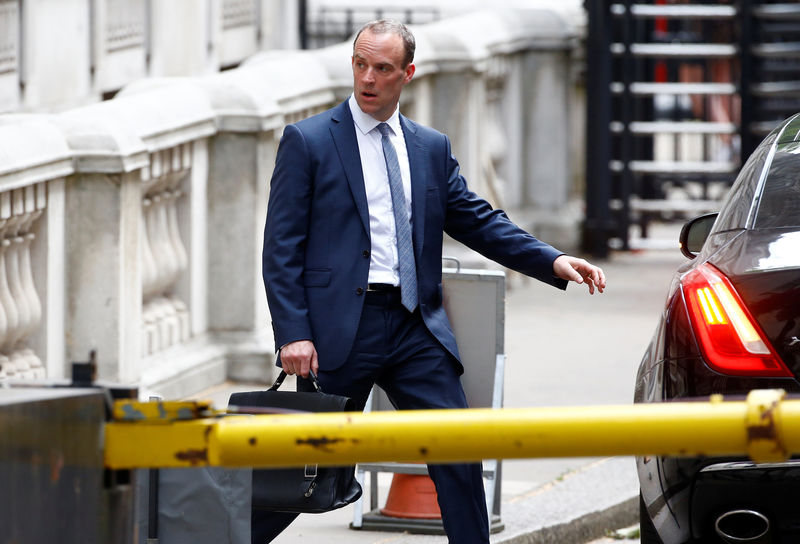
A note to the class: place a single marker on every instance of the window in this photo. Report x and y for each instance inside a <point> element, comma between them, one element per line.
<point>780,198</point>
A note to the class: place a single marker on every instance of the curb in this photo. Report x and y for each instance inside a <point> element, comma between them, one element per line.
<point>584,529</point>
<point>580,506</point>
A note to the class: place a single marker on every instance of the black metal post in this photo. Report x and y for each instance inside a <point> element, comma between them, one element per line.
<point>302,17</point>
<point>152,506</point>
<point>152,499</point>
<point>626,153</point>
<point>648,186</point>
<point>747,39</point>
<point>597,223</point>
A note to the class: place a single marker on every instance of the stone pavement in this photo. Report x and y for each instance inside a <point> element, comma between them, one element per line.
<point>563,349</point>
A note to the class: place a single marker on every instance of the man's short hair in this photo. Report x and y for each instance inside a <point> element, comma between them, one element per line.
<point>384,26</point>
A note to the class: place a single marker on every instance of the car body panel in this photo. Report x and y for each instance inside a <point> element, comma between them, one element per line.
<point>755,243</point>
<point>770,489</point>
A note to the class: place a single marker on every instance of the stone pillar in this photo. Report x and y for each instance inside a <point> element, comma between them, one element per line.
<point>511,104</point>
<point>56,59</point>
<point>51,250</point>
<point>187,48</point>
<point>546,154</point>
<point>240,165</point>
<point>120,43</point>
<point>280,25</point>
<point>232,203</point>
<point>104,288</point>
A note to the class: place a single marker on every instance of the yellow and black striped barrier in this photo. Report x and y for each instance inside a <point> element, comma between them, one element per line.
<point>765,427</point>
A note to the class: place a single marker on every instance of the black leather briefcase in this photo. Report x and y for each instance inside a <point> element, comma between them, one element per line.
<point>309,489</point>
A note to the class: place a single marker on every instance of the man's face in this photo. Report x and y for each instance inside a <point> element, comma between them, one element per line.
<point>378,73</point>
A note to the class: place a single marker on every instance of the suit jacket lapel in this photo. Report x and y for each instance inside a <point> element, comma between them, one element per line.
<point>417,156</point>
<point>343,132</point>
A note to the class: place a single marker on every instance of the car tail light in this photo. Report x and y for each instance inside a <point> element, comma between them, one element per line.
<point>731,340</point>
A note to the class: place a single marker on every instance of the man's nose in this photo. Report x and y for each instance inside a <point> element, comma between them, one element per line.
<point>369,76</point>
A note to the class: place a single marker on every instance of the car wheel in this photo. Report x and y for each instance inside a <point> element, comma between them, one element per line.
<point>647,531</point>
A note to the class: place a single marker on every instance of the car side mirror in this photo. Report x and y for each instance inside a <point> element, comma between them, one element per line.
<point>694,234</point>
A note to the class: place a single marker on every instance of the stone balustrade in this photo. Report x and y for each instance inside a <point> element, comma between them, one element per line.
<point>134,226</point>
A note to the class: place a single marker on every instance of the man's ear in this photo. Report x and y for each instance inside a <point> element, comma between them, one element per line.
<point>410,69</point>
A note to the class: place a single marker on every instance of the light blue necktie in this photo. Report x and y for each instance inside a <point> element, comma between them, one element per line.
<point>405,248</point>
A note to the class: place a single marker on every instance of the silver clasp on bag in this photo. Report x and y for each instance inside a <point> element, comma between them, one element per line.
<point>310,472</point>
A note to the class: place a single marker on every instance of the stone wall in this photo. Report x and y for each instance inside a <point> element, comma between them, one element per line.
<point>133,226</point>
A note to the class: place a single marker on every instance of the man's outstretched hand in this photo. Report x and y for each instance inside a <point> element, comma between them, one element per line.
<point>580,271</point>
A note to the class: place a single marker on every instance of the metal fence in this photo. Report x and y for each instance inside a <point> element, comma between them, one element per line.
<point>680,95</point>
<point>331,25</point>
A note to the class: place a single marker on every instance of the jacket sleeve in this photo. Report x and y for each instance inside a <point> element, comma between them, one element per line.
<point>472,221</point>
<point>285,238</point>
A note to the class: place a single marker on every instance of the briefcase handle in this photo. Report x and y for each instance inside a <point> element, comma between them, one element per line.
<point>282,376</point>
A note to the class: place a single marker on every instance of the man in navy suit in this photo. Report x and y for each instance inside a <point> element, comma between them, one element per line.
<point>360,198</point>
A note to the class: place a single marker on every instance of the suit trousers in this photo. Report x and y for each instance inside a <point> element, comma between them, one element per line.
<point>394,349</point>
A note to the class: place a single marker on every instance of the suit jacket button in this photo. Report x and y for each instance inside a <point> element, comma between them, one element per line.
<point>360,291</point>
<point>365,254</point>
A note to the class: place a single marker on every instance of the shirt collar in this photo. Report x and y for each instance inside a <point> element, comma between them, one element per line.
<point>365,122</point>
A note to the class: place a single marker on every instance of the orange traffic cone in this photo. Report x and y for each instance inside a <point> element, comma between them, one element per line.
<point>412,496</point>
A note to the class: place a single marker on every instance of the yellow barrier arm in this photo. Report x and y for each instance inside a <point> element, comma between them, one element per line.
<point>765,427</point>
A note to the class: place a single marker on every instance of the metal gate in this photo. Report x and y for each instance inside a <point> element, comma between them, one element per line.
<point>327,25</point>
<point>679,94</point>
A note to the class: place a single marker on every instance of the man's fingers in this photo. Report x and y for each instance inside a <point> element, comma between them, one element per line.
<point>598,278</point>
<point>575,275</point>
<point>564,269</point>
<point>298,357</point>
<point>580,271</point>
<point>287,366</point>
<point>315,362</point>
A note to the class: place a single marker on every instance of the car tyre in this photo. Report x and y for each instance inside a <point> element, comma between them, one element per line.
<point>647,531</point>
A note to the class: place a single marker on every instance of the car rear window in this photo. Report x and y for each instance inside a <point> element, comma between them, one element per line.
<point>779,205</point>
<point>736,208</point>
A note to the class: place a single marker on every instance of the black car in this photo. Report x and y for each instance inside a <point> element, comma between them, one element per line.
<point>731,323</point>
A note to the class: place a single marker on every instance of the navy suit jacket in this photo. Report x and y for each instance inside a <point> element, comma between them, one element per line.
<point>317,239</point>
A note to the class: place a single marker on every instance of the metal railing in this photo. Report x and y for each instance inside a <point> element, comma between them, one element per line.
<point>764,427</point>
<point>330,25</point>
<point>681,94</point>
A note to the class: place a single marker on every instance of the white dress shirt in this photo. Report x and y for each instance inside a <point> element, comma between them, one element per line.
<point>383,263</point>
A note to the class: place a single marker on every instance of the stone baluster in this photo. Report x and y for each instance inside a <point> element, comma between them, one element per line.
<point>149,283</point>
<point>34,303</point>
<point>7,369</point>
<point>167,263</point>
<point>23,309</point>
<point>181,261</point>
<point>149,268</point>
<point>153,312</point>
<point>10,308</point>
<point>165,316</point>
<point>167,273</point>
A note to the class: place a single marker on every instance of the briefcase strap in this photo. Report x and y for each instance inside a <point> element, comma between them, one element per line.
<point>282,376</point>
